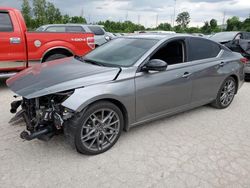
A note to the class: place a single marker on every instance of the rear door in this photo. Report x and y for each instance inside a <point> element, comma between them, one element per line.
<point>12,43</point>
<point>205,57</point>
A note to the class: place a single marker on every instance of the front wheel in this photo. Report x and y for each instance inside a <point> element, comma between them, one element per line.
<point>99,128</point>
<point>226,94</point>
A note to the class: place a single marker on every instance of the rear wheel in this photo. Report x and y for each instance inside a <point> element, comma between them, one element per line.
<point>54,57</point>
<point>98,128</point>
<point>226,94</point>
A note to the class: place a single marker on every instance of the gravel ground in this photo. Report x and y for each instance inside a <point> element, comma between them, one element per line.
<point>204,147</point>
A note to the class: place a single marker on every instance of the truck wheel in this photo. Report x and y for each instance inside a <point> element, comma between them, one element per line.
<point>96,129</point>
<point>54,57</point>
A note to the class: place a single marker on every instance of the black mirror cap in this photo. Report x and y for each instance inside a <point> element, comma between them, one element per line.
<point>155,65</point>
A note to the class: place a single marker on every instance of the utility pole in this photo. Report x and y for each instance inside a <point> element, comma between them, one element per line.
<point>82,12</point>
<point>223,21</point>
<point>139,19</point>
<point>89,18</point>
<point>171,20</point>
<point>126,16</point>
<point>174,12</point>
<point>157,17</point>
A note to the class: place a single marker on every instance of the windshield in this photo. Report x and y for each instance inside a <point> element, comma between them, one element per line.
<point>223,36</point>
<point>120,52</point>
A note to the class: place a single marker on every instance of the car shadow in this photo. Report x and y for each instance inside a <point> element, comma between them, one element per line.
<point>3,83</point>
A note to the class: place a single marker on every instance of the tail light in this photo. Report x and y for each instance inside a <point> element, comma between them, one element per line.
<point>244,60</point>
<point>91,42</point>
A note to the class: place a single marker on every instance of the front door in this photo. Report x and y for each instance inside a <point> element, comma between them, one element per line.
<point>159,93</point>
<point>12,44</point>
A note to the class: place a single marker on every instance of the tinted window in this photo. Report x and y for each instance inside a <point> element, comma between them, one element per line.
<point>40,28</point>
<point>74,29</point>
<point>202,49</point>
<point>223,36</point>
<point>246,36</point>
<point>5,23</point>
<point>56,29</point>
<point>121,52</point>
<point>172,53</point>
<point>96,30</point>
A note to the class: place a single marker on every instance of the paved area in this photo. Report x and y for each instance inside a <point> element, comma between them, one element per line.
<point>204,147</point>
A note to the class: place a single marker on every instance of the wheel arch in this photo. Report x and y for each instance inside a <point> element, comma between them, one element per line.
<point>57,50</point>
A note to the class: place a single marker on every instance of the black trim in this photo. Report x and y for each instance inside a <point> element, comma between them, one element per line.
<point>4,11</point>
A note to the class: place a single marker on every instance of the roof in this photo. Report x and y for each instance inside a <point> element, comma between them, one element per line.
<point>7,9</point>
<point>157,36</point>
<point>70,24</point>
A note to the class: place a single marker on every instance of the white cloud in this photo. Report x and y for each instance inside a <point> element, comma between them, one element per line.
<point>147,10</point>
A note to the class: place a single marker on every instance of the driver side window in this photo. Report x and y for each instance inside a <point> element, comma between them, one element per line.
<point>172,53</point>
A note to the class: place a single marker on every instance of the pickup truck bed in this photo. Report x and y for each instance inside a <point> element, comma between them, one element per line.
<point>20,49</point>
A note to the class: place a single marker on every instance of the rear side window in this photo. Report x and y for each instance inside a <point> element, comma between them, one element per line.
<point>202,49</point>
<point>56,29</point>
<point>5,22</point>
<point>96,30</point>
<point>74,29</point>
<point>246,36</point>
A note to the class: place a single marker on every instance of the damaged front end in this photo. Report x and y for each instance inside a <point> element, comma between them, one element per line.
<point>44,116</point>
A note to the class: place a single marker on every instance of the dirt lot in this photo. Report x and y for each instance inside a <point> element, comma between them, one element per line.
<point>200,148</point>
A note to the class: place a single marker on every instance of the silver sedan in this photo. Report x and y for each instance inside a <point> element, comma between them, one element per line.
<point>128,81</point>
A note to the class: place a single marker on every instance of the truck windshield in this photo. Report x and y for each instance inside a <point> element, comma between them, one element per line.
<point>120,52</point>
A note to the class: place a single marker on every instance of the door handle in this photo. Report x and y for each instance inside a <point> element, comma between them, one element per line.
<point>15,40</point>
<point>222,64</point>
<point>186,75</point>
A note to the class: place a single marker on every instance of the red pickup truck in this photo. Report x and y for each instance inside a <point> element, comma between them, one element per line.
<point>20,49</point>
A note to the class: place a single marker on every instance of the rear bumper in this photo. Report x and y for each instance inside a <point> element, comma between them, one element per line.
<point>247,68</point>
<point>247,71</point>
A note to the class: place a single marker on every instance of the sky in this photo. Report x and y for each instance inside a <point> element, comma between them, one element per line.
<point>149,12</point>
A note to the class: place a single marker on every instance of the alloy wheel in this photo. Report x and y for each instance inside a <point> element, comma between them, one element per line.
<point>227,92</point>
<point>100,129</point>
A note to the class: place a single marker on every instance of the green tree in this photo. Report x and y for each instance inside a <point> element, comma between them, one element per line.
<point>213,24</point>
<point>26,11</point>
<point>193,30</point>
<point>164,27</point>
<point>234,24</point>
<point>183,19</point>
<point>66,19</point>
<point>206,29</point>
<point>246,24</point>
<point>78,19</point>
<point>39,9</point>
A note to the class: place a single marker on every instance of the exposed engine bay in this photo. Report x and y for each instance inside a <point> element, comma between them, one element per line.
<point>44,116</point>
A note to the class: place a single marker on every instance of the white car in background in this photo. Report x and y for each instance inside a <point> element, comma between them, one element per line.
<point>101,36</point>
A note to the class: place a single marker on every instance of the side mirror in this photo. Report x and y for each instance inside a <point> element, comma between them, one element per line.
<point>108,38</point>
<point>155,65</point>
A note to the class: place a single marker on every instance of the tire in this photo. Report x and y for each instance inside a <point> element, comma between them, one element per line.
<point>88,131</point>
<point>226,94</point>
<point>54,57</point>
<point>247,77</point>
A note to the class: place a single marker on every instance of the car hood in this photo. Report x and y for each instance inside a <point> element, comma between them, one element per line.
<point>59,75</point>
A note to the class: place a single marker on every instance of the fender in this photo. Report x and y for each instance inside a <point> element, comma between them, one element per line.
<point>122,91</point>
<point>40,52</point>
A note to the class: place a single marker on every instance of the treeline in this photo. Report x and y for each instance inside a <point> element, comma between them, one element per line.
<point>121,27</point>
<point>40,12</point>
